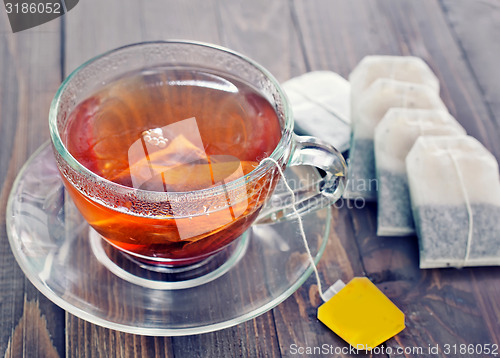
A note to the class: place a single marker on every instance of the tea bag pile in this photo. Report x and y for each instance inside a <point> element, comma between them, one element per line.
<point>394,137</point>
<point>455,195</point>
<point>429,177</point>
<point>378,84</point>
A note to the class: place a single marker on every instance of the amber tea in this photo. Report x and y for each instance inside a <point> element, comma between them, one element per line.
<point>174,130</point>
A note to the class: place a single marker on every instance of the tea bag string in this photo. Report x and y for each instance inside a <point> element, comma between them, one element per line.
<point>301,227</point>
<point>467,204</point>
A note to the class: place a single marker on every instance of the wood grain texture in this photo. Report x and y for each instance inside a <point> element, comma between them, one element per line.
<point>296,318</point>
<point>476,28</point>
<point>30,325</point>
<point>85,339</point>
<point>264,31</point>
<point>119,23</point>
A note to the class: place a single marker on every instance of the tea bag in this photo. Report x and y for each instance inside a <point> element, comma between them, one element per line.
<point>402,68</point>
<point>320,105</point>
<point>357,311</point>
<point>361,314</point>
<point>394,136</point>
<point>382,95</point>
<point>455,194</point>
<point>172,158</point>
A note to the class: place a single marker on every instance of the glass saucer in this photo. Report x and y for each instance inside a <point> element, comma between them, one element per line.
<point>71,265</point>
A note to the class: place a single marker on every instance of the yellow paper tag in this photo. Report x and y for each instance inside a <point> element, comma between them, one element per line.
<point>362,315</point>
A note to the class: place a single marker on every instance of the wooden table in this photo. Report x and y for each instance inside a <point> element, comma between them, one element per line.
<point>457,38</point>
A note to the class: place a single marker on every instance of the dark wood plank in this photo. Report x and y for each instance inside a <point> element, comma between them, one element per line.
<point>30,325</point>
<point>88,340</point>
<point>264,31</point>
<point>296,318</point>
<point>31,336</point>
<point>479,43</point>
<point>337,34</point>
<point>255,338</point>
<point>118,23</point>
<point>94,27</point>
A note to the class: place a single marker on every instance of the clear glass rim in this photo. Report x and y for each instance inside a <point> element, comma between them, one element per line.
<point>278,154</point>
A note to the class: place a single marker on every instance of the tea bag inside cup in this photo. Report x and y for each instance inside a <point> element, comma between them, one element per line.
<point>394,137</point>
<point>172,158</point>
<point>402,68</point>
<point>382,95</point>
<point>455,194</point>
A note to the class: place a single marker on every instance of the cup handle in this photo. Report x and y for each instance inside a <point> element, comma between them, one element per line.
<point>313,152</point>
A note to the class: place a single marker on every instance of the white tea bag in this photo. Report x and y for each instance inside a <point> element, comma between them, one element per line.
<point>320,105</point>
<point>382,95</point>
<point>394,137</point>
<point>455,194</point>
<point>402,68</point>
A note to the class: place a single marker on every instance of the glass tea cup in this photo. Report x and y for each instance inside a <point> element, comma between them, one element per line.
<point>174,228</point>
